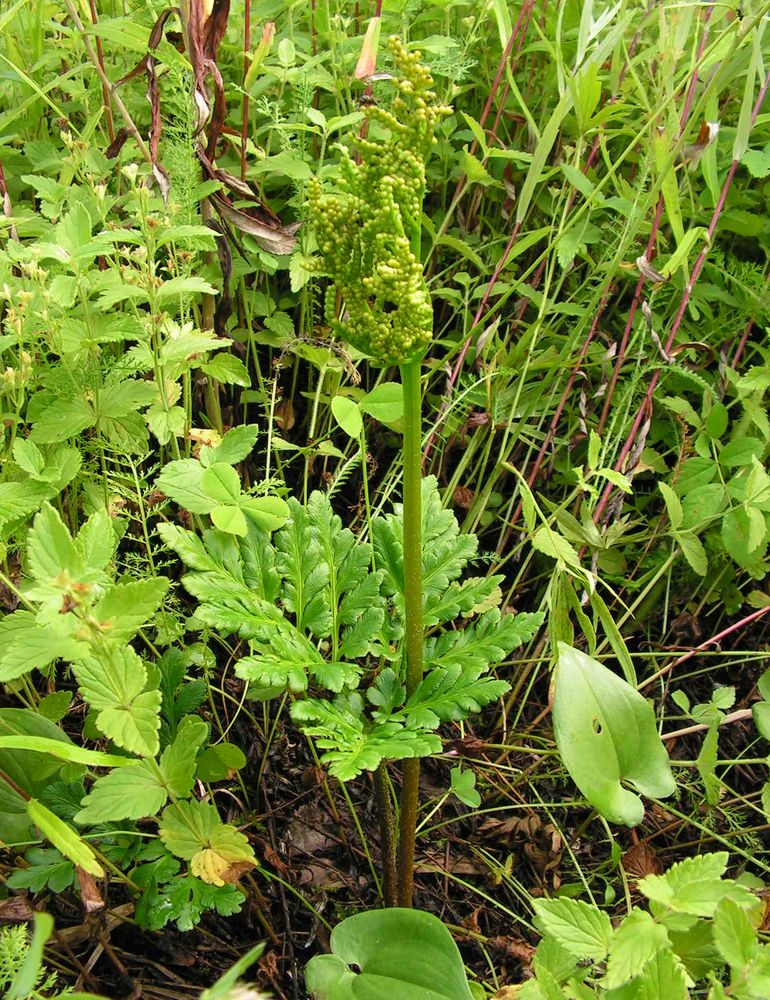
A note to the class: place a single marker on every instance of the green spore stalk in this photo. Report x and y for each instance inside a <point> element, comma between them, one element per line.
<point>369,230</point>
<point>378,301</point>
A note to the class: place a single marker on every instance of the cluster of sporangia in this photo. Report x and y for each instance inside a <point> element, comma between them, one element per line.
<point>365,232</point>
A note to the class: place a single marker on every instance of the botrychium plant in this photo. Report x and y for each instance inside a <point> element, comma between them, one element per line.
<point>336,621</point>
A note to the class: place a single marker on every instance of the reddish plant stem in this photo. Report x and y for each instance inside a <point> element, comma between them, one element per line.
<point>105,88</point>
<point>521,29</point>
<point>573,195</point>
<point>714,640</point>
<point>246,51</point>
<point>507,87</point>
<point>527,7</point>
<point>742,344</point>
<point>553,426</point>
<point>646,402</point>
<point>650,251</point>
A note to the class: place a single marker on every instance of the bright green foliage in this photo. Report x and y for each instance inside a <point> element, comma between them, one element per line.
<point>47,868</point>
<point>193,831</point>
<point>365,233</point>
<point>142,788</point>
<point>210,485</point>
<point>115,687</point>
<point>82,615</point>
<point>400,953</point>
<point>63,837</point>
<point>32,773</point>
<point>42,475</point>
<point>605,731</point>
<point>700,926</point>
<point>318,618</point>
<point>712,713</point>
<point>22,974</point>
<point>581,929</point>
<point>169,896</point>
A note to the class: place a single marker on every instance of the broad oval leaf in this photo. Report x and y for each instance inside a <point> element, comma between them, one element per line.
<point>605,731</point>
<point>400,953</point>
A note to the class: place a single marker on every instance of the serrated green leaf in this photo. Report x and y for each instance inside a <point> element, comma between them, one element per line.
<point>129,792</point>
<point>637,939</point>
<point>692,886</point>
<point>734,935</point>
<point>64,419</point>
<point>178,760</point>
<point>228,369</point>
<point>353,748</point>
<point>48,869</point>
<point>193,831</point>
<point>28,456</point>
<point>664,976</point>
<point>25,645</point>
<point>220,482</point>
<point>760,712</point>
<point>445,554</point>
<point>693,551</point>
<point>551,543</point>
<point>219,762</point>
<point>299,275</point>
<point>96,541</point>
<point>50,549</point>
<point>114,686</point>
<point>226,847</point>
<point>739,537</point>
<point>182,481</point>
<point>176,288</point>
<point>135,727</point>
<point>126,606</point>
<point>236,445</point>
<point>673,505</point>
<point>187,826</point>
<point>582,929</point>
<point>451,693</point>
<point>55,705</point>
<point>484,643</point>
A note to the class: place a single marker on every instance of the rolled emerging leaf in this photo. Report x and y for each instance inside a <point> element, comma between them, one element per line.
<point>367,61</point>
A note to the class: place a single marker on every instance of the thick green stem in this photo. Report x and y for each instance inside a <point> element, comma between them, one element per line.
<point>414,631</point>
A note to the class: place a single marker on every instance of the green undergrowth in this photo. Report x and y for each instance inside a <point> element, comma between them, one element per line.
<point>276,295</point>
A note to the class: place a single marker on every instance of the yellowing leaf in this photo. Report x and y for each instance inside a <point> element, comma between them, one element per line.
<point>217,852</point>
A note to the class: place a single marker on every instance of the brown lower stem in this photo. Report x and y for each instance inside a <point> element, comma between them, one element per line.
<point>387,838</point>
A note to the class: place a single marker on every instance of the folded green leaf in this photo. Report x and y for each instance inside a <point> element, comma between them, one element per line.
<point>606,733</point>
<point>64,838</point>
